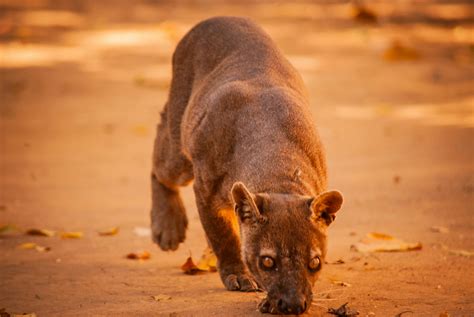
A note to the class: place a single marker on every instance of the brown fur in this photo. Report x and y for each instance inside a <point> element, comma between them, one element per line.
<point>237,122</point>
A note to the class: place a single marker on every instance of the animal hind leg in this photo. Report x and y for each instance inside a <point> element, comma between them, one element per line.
<point>171,169</point>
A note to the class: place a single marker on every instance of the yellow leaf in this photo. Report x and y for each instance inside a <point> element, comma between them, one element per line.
<point>71,235</point>
<point>109,232</point>
<point>31,246</point>
<point>40,232</point>
<point>379,236</point>
<point>161,297</point>
<point>27,245</point>
<point>380,242</point>
<point>208,261</point>
<point>7,228</point>
<point>40,248</point>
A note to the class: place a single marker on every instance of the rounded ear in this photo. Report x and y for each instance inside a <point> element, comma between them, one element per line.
<point>244,201</point>
<point>325,206</point>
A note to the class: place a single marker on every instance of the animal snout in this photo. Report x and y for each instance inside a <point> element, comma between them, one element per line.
<point>294,306</point>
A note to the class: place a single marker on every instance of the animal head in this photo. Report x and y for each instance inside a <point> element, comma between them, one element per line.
<point>283,240</point>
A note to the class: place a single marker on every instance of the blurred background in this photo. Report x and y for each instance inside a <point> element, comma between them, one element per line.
<point>81,87</point>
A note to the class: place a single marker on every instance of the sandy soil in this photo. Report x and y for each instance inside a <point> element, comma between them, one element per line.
<point>81,89</point>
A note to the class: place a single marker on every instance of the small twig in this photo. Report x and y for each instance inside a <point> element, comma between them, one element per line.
<point>342,290</point>
<point>320,306</point>
<point>330,291</point>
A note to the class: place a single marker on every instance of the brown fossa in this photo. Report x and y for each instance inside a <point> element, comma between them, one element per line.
<point>237,122</point>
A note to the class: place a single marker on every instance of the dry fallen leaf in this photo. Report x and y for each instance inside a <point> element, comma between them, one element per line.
<point>40,248</point>
<point>72,235</point>
<point>4,313</point>
<point>5,229</point>
<point>208,261</point>
<point>27,245</point>
<point>31,246</point>
<point>444,314</point>
<point>40,232</point>
<point>397,51</point>
<point>341,283</point>
<point>161,297</point>
<point>109,232</point>
<point>189,267</point>
<point>144,255</point>
<point>142,231</point>
<point>363,14</point>
<point>464,253</point>
<point>381,242</point>
<point>379,236</point>
<point>343,311</point>
<point>439,229</point>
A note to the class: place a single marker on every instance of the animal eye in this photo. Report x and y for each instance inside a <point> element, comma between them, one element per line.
<point>267,262</point>
<point>314,264</point>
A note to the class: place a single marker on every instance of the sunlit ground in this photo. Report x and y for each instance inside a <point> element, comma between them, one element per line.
<point>81,87</point>
<point>308,32</point>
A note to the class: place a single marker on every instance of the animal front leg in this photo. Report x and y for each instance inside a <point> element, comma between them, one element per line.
<point>222,234</point>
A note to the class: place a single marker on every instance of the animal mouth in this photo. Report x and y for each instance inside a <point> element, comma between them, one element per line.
<point>268,306</point>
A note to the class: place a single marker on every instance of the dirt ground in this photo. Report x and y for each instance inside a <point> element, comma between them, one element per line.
<point>81,87</point>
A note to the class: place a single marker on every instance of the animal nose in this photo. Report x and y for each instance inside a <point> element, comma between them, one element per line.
<point>296,306</point>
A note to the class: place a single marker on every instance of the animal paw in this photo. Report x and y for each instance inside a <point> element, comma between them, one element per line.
<point>168,230</point>
<point>243,282</point>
